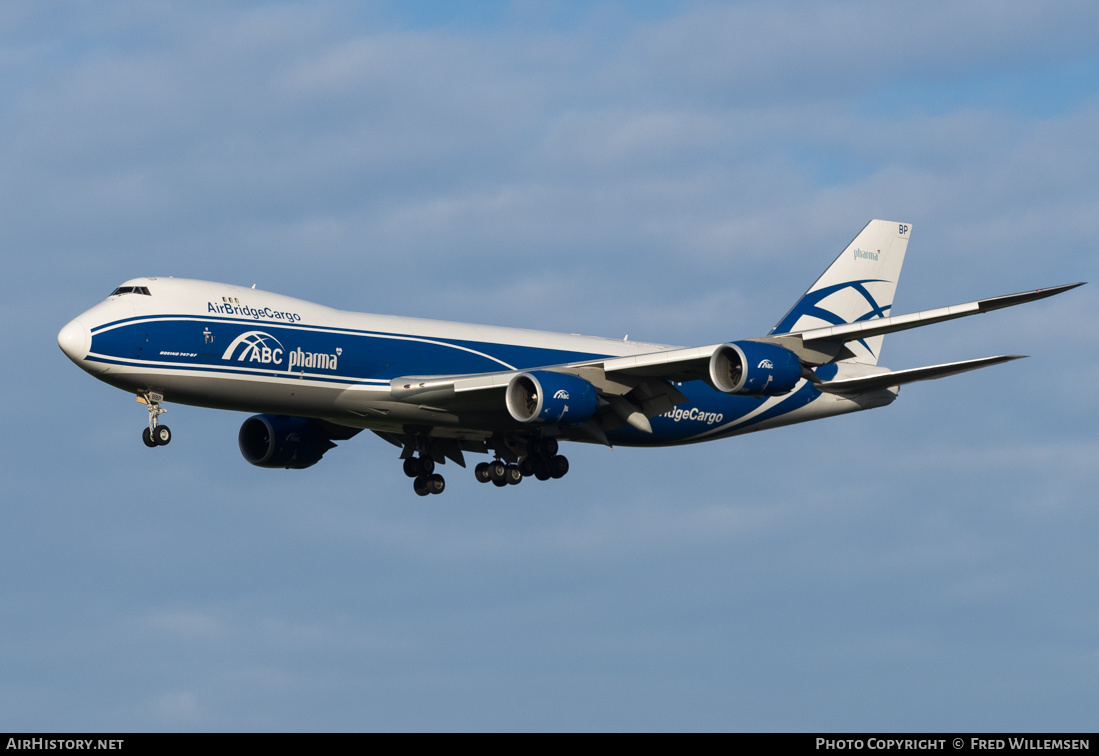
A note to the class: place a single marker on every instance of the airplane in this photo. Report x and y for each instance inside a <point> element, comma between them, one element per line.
<point>438,390</point>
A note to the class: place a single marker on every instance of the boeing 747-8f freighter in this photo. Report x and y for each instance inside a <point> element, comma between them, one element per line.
<point>439,389</point>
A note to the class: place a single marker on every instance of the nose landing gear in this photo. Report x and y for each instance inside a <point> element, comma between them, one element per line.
<point>156,434</point>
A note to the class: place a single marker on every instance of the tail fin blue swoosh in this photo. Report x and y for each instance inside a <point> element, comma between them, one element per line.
<point>858,286</point>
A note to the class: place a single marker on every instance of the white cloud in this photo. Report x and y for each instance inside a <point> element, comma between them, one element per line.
<point>192,625</point>
<point>178,707</point>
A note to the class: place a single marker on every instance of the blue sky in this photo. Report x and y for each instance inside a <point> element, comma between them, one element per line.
<point>677,171</point>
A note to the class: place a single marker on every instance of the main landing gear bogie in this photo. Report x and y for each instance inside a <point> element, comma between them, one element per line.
<point>429,484</point>
<point>426,480</point>
<point>498,473</point>
<point>536,458</point>
<point>542,467</point>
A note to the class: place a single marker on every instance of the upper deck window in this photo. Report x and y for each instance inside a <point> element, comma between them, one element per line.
<point>131,290</point>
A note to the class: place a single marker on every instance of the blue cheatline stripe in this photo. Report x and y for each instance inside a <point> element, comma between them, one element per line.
<point>251,372</point>
<point>274,324</point>
<point>308,329</point>
<point>514,357</point>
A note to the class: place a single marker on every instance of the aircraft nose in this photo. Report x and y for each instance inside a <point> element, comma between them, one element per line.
<point>73,340</point>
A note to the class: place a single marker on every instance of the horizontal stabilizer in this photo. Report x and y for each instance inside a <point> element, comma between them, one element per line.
<point>896,378</point>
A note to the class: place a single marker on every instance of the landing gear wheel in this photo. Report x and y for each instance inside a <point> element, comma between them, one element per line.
<point>480,472</point>
<point>497,471</point>
<point>558,466</point>
<point>499,483</point>
<point>420,486</point>
<point>541,469</point>
<point>417,466</point>
<point>162,435</point>
<point>147,437</point>
<point>435,484</point>
<point>512,475</point>
<point>548,447</point>
<point>526,467</point>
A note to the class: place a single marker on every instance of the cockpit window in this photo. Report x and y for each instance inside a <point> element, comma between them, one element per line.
<point>131,290</point>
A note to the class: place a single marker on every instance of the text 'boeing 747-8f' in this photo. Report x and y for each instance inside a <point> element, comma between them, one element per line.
<point>439,389</point>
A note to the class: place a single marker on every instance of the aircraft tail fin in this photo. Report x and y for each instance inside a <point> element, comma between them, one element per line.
<point>858,286</point>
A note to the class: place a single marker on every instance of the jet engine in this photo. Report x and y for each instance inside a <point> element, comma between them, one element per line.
<point>541,396</point>
<point>754,368</point>
<point>282,441</point>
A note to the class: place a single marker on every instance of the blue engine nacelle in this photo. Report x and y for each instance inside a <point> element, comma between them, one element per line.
<point>541,396</point>
<point>282,441</point>
<point>754,368</point>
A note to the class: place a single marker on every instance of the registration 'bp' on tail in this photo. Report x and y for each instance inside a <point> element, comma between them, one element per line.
<point>858,286</point>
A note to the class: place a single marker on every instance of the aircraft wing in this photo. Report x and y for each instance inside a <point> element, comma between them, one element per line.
<point>687,364</point>
<point>427,389</point>
<point>819,346</point>
<point>649,394</point>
